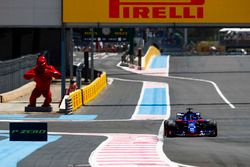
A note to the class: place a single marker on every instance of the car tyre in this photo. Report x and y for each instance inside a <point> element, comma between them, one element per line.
<point>213,128</point>
<point>169,128</point>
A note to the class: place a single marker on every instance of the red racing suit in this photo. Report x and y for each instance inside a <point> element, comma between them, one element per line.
<point>43,76</point>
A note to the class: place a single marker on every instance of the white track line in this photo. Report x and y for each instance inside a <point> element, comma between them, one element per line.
<point>183,78</point>
<point>210,82</point>
<point>128,80</point>
<point>183,165</point>
<point>70,121</point>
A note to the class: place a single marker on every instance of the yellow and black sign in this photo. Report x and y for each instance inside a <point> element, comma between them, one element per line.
<point>157,11</point>
<point>108,34</point>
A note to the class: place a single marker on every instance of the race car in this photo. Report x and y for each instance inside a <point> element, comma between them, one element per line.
<point>190,124</point>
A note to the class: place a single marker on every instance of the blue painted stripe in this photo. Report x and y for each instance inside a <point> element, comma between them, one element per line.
<point>153,102</point>
<point>62,117</point>
<point>159,62</point>
<point>11,152</point>
<point>4,131</point>
<point>13,116</point>
<point>77,117</point>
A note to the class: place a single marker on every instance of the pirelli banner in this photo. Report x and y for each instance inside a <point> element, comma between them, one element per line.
<point>156,11</point>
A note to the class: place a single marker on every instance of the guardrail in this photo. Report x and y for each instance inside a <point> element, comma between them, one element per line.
<point>11,73</point>
<point>152,51</point>
<point>83,96</point>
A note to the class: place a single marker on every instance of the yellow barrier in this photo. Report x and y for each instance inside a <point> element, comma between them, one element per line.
<point>88,93</point>
<point>91,91</point>
<point>76,97</point>
<point>152,51</point>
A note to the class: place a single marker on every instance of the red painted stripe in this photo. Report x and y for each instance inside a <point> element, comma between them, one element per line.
<point>131,150</point>
<point>128,154</point>
<point>104,152</point>
<point>122,157</point>
<point>125,149</point>
<point>135,145</point>
<point>139,164</point>
<point>134,160</point>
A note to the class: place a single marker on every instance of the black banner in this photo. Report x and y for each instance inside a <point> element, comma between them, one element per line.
<point>108,34</point>
<point>30,131</point>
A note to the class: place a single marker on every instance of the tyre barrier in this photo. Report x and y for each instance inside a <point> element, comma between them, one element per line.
<point>86,94</point>
<point>152,51</point>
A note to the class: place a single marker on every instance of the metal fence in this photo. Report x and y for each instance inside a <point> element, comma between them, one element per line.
<point>11,72</point>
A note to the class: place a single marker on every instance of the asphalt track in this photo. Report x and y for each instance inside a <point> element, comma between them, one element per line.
<point>231,74</point>
<point>116,104</point>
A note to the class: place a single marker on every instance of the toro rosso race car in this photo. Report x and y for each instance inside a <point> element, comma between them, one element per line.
<point>190,124</point>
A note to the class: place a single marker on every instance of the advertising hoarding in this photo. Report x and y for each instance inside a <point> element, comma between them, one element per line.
<point>156,11</point>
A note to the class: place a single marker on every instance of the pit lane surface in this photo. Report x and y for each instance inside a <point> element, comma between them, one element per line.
<point>117,103</point>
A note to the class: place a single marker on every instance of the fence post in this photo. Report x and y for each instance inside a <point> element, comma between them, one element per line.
<point>139,58</point>
<point>79,75</point>
<point>82,97</point>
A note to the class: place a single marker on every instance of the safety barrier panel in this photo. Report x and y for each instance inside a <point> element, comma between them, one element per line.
<point>76,97</point>
<point>83,96</point>
<point>152,51</point>
<point>91,91</point>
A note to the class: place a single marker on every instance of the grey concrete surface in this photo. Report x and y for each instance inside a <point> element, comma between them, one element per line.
<point>69,151</point>
<point>20,98</point>
<point>117,101</point>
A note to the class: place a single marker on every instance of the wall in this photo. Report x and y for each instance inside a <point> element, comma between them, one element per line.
<point>16,42</point>
<point>30,13</point>
<point>11,73</point>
